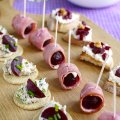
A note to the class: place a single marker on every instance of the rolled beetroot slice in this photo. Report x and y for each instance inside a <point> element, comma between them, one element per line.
<point>109,116</point>
<point>32,87</point>
<point>23,25</point>
<point>9,42</point>
<point>16,65</point>
<point>65,75</point>
<point>41,38</point>
<point>50,112</point>
<point>54,55</point>
<point>91,98</point>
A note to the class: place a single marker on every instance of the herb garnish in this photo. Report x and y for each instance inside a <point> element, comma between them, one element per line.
<point>15,44</point>
<point>7,46</point>
<point>56,107</point>
<point>19,67</point>
<point>30,93</point>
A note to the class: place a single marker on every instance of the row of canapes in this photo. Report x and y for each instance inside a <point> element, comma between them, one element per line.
<point>36,92</point>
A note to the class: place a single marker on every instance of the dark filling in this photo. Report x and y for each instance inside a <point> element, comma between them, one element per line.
<point>66,14</point>
<point>57,58</point>
<point>117,72</point>
<point>84,23</point>
<point>91,102</point>
<point>9,43</point>
<point>33,90</point>
<point>28,29</point>
<point>16,65</point>
<point>82,32</point>
<point>70,80</point>
<point>1,33</point>
<point>99,50</point>
<point>46,42</point>
<point>51,114</point>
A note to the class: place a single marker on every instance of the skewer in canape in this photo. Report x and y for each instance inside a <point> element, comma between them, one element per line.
<point>23,25</point>
<point>68,73</point>
<point>53,53</point>
<point>91,96</point>
<point>107,115</point>
<point>114,75</point>
<point>41,37</point>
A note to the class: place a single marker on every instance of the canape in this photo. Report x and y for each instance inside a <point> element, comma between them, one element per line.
<point>3,31</point>
<point>53,111</point>
<point>41,38</point>
<point>91,98</point>
<point>81,35</point>
<point>23,26</point>
<point>114,76</point>
<point>33,95</point>
<point>67,20</point>
<point>18,70</point>
<point>107,115</point>
<point>9,48</point>
<point>69,76</point>
<point>54,55</point>
<point>96,53</point>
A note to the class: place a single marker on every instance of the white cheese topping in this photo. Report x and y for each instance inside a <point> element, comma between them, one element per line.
<point>27,67</point>
<point>86,38</point>
<point>22,92</point>
<point>4,51</point>
<point>56,66</point>
<point>98,57</point>
<point>3,31</point>
<point>52,104</point>
<point>60,18</point>
<point>113,77</point>
<point>74,74</point>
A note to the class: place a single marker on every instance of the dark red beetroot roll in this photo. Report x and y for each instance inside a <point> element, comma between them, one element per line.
<point>69,76</point>
<point>41,38</point>
<point>91,98</point>
<point>23,25</point>
<point>54,55</point>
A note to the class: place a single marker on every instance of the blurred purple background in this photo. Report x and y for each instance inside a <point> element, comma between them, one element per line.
<point>108,18</point>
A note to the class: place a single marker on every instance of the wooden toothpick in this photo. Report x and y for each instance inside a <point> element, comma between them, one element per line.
<point>43,18</point>
<point>25,4</point>
<point>69,47</point>
<point>56,30</point>
<point>114,99</point>
<point>101,72</point>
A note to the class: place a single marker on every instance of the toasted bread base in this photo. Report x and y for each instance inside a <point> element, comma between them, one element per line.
<point>36,117</point>
<point>88,58</point>
<point>42,102</point>
<point>19,52</point>
<point>109,86</point>
<point>62,28</point>
<point>75,41</point>
<point>19,80</point>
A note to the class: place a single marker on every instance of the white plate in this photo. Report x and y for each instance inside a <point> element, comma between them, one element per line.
<point>94,3</point>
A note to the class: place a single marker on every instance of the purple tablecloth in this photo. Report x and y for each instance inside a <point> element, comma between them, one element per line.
<point>107,18</point>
